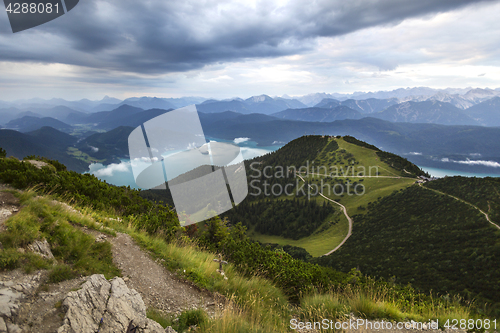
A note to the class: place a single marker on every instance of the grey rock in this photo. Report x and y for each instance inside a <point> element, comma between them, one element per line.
<point>42,248</point>
<point>169,329</point>
<point>112,301</point>
<point>9,302</point>
<point>13,328</point>
<point>3,327</point>
<point>84,308</point>
<point>18,287</point>
<point>100,239</point>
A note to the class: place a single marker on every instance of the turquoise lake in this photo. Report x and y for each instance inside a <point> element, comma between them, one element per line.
<point>121,174</point>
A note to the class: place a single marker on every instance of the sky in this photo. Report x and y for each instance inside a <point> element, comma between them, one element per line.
<point>223,49</point>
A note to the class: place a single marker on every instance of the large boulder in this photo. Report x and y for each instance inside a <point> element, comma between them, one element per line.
<point>105,305</point>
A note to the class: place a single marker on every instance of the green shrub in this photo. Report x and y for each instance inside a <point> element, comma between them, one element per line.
<point>159,317</point>
<point>9,259</point>
<point>316,307</point>
<point>189,318</point>
<point>61,273</point>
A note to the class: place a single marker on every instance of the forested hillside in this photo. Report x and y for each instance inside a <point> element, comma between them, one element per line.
<point>432,241</point>
<point>482,192</point>
<point>280,207</point>
<point>288,218</point>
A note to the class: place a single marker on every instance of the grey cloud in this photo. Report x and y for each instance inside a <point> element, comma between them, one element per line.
<point>155,37</point>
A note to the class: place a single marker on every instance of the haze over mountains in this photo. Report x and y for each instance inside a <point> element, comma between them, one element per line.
<point>459,128</point>
<point>457,106</point>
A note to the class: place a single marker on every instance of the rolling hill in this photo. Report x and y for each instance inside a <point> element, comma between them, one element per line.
<point>118,119</point>
<point>337,167</point>
<point>121,113</point>
<point>46,141</point>
<point>30,123</point>
<point>108,146</point>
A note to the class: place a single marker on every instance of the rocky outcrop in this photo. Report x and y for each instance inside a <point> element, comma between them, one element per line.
<point>106,305</point>
<point>41,248</point>
<point>11,296</point>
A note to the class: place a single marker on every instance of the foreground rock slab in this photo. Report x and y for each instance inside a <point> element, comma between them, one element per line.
<point>105,305</point>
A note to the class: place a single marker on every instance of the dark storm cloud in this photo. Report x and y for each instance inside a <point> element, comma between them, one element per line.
<point>157,36</point>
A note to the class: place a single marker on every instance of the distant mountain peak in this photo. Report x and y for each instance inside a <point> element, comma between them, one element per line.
<point>107,99</point>
<point>259,99</point>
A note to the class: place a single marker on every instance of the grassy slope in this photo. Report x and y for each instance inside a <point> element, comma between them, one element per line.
<point>76,252</point>
<point>254,304</point>
<point>321,242</point>
<point>375,187</point>
<point>316,244</point>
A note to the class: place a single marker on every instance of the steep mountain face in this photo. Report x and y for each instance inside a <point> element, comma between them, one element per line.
<point>397,93</point>
<point>29,123</point>
<point>461,101</point>
<point>479,95</point>
<point>366,106</point>
<point>486,113</point>
<point>455,100</point>
<point>319,114</point>
<point>265,104</point>
<point>426,112</point>
<point>256,104</point>
<point>370,105</point>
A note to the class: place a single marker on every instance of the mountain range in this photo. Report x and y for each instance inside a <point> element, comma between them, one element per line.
<point>424,105</point>
<point>456,128</point>
<point>424,144</point>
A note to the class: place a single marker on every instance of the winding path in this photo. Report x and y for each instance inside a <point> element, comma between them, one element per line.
<point>349,233</point>
<point>466,202</point>
<point>351,176</point>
